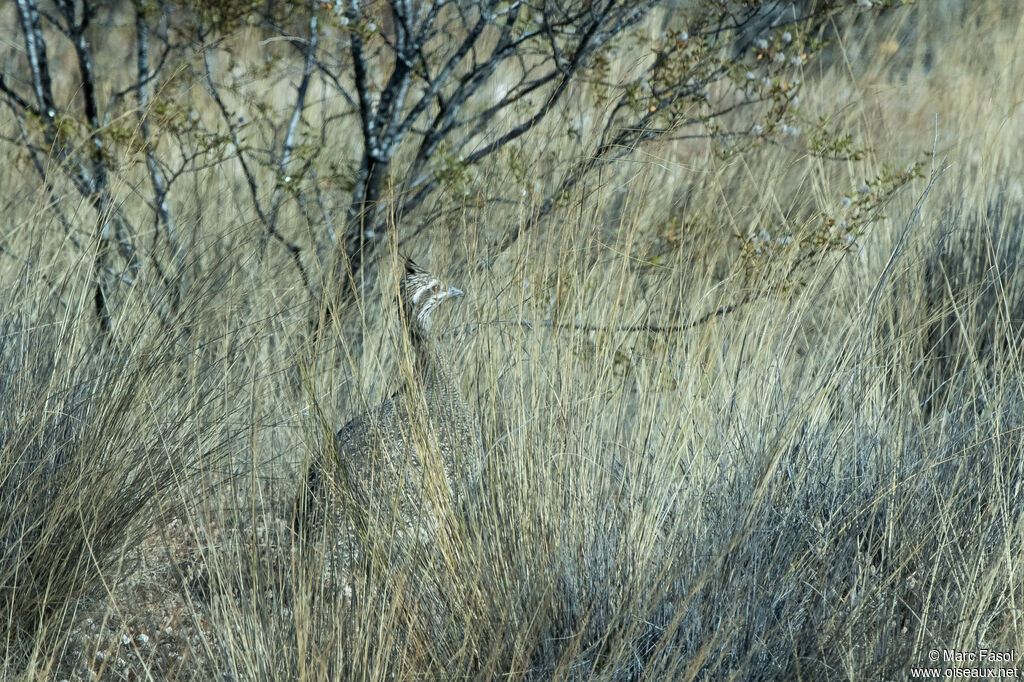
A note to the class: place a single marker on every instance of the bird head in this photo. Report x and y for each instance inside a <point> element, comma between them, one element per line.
<point>421,293</point>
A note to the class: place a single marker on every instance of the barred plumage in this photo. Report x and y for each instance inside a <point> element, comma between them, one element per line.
<point>395,447</point>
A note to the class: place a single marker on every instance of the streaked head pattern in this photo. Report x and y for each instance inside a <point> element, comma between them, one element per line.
<point>421,293</point>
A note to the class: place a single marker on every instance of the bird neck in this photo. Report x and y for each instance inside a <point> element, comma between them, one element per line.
<point>429,363</point>
<point>432,367</point>
<point>426,356</point>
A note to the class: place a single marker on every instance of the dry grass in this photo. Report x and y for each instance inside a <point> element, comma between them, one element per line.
<point>822,484</point>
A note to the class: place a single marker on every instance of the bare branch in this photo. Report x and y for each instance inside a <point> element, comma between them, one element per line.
<point>294,250</point>
<point>160,188</point>
<point>297,109</point>
<point>38,64</point>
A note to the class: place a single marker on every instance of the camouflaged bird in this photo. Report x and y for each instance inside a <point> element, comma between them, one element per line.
<point>380,455</point>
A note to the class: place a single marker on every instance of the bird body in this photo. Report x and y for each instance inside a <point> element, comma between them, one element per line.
<point>416,446</point>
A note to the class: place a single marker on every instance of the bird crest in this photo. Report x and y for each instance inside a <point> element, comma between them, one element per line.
<point>420,294</point>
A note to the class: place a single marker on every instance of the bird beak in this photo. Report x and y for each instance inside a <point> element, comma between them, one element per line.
<point>455,293</point>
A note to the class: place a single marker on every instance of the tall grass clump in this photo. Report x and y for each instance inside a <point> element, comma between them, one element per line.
<point>96,442</point>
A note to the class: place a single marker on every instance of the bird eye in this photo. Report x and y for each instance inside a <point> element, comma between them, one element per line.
<point>437,287</point>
